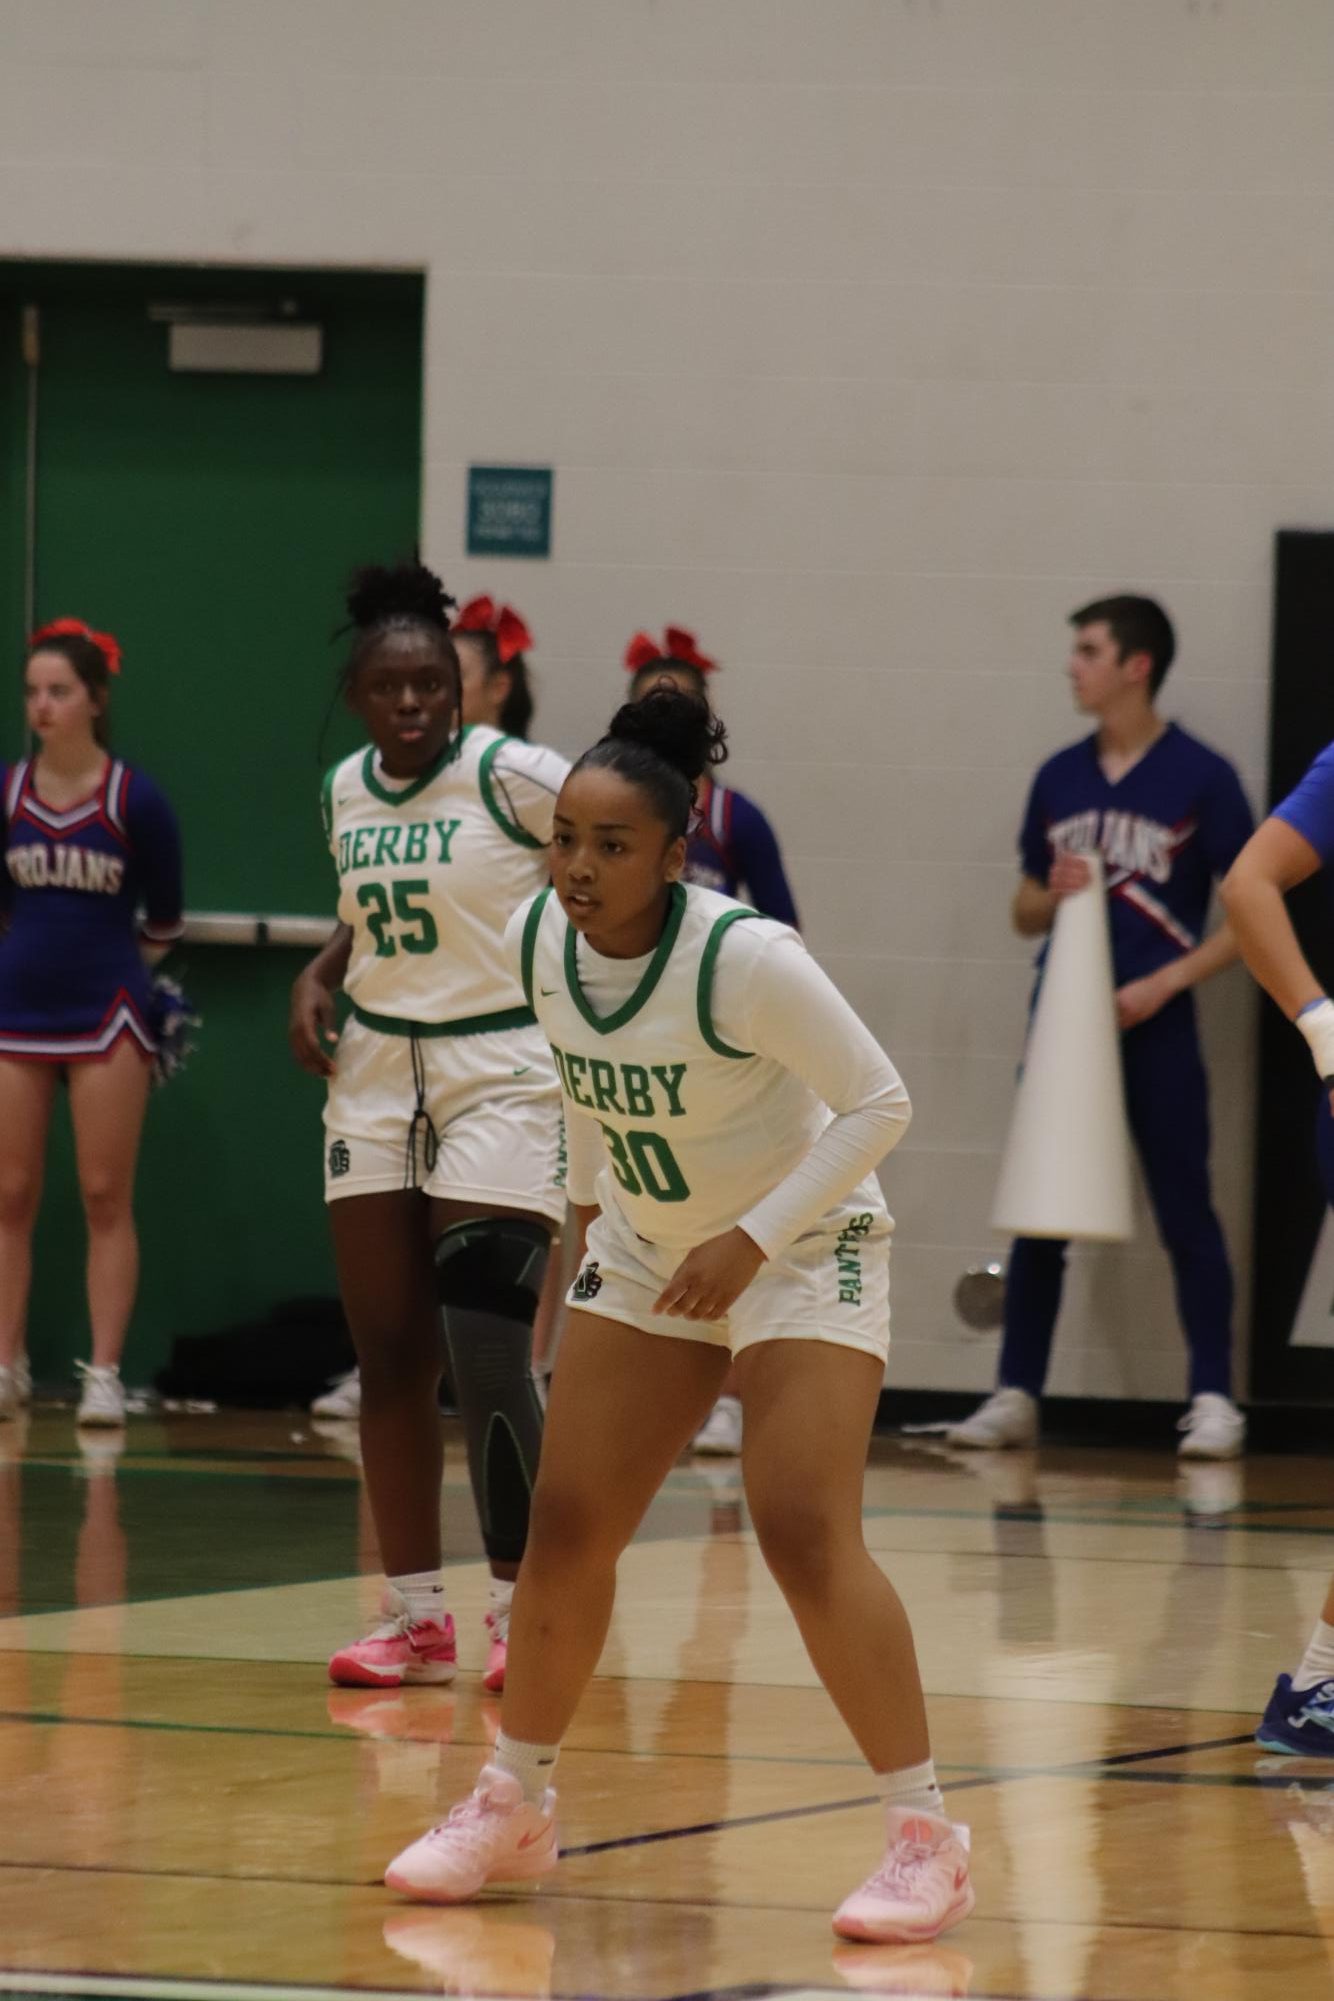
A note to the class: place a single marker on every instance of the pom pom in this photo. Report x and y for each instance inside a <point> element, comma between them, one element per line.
<point>171,1018</point>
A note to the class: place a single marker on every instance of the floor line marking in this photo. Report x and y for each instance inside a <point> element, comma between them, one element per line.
<point>1218,1525</point>
<point>976,1772</point>
<point>1002,1775</point>
<point>198,1875</point>
<point>347,1734</point>
<point>188,1988</point>
<point>632,1681</point>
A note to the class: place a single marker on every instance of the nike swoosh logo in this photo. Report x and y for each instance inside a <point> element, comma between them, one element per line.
<point>521,1073</point>
<point>546,992</point>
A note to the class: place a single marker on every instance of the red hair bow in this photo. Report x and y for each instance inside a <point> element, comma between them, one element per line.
<point>511,635</point>
<point>74,628</point>
<point>677,644</point>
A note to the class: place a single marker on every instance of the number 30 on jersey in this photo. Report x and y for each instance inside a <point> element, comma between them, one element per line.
<point>644,1164</point>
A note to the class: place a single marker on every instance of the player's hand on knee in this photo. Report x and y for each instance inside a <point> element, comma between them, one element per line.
<point>310,1025</point>
<point>710,1279</point>
<point>1069,874</point>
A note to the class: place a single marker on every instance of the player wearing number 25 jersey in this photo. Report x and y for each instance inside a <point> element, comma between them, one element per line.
<point>427,873</point>
<point>444,1157</point>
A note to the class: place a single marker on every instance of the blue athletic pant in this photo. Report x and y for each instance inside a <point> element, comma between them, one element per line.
<point>1324,1146</point>
<point>1168,1104</point>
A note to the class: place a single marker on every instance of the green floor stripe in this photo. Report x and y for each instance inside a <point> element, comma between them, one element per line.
<point>1023,1513</point>
<point>348,1734</point>
<point>143,1988</point>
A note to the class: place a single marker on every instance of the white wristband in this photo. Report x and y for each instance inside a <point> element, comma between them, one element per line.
<point>1316,1023</point>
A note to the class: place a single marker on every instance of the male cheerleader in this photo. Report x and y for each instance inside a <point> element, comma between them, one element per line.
<point>1168,817</point>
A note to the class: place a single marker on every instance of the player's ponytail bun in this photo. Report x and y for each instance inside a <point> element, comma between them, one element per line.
<point>407,593</point>
<point>678,727</point>
<point>382,598</point>
<point>664,743</point>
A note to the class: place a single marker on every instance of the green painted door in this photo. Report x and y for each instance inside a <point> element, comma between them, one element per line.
<point>210,522</point>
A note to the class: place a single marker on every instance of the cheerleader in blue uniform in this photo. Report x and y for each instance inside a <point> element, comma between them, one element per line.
<point>89,843</point>
<point>732,846</point>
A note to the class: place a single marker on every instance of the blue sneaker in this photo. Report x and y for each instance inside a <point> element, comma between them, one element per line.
<point>1299,1720</point>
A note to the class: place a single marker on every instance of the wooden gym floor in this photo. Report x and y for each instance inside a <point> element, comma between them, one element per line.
<point>188,1809</point>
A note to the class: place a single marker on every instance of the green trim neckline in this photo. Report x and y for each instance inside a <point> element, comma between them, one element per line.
<point>418,785</point>
<point>657,965</point>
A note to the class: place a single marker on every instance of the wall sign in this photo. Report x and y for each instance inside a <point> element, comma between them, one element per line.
<point>509,510</point>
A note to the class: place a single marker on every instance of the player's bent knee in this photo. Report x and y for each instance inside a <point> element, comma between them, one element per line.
<point>800,1544</point>
<point>571,1525</point>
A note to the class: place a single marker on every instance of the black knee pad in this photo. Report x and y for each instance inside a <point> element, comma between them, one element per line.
<point>489,1274</point>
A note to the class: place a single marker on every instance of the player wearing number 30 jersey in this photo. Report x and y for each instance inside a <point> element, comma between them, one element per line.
<point>726,1111</point>
<point>696,1084</point>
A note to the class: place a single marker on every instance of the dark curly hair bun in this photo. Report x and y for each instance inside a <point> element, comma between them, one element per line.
<point>679,728</point>
<point>663,744</point>
<point>380,595</point>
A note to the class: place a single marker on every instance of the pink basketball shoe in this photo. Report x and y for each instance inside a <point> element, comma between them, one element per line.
<point>398,1650</point>
<point>920,1889</point>
<point>494,1836</point>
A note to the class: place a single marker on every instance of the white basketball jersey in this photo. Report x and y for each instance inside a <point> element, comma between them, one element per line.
<point>429,874</point>
<point>695,1133</point>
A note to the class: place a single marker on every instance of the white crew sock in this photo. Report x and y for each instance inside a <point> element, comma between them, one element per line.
<point>1318,1660</point>
<point>424,1592</point>
<point>502,1596</point>
<point>914,1786</point>
<point>531,1764</point>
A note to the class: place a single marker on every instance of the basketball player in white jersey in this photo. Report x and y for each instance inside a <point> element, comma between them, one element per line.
<point>726,1111</point>
<point>444,1163</point>
<point>492,643</point>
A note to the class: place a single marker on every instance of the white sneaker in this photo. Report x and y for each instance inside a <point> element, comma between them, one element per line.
<point>1214,1428</point>
<point>494,1836</point>
<point>341,1399</point>
<point>1209,1492</point>
<point>720,1433</point>
<point>920,1889</point>
<point>23,1377</point>
<point>1008,1418</point>
<point>11,1394</point>
<point>103,1399</point>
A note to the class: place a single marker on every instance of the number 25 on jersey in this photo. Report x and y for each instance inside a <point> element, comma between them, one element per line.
<point>415,929</point>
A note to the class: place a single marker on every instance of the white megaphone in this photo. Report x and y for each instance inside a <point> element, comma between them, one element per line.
<point>1065,1171</point>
